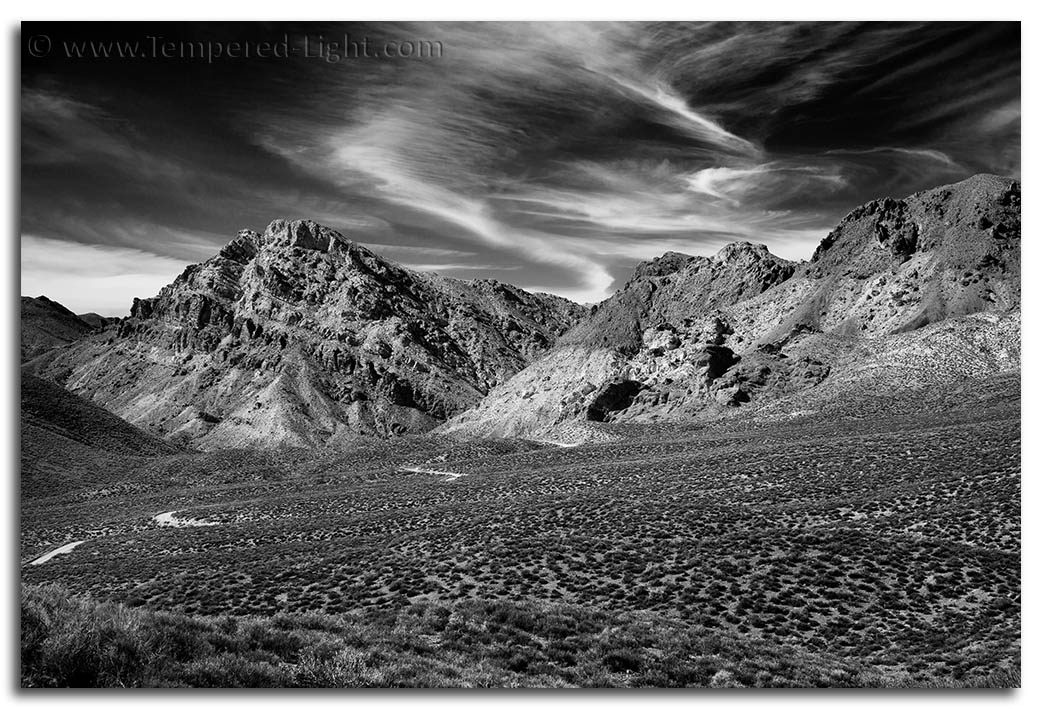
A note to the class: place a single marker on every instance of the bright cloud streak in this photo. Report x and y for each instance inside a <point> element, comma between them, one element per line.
<point>91,278</point>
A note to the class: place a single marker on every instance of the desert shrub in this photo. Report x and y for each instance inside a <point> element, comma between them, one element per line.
<point>227,670</point>
<point>622,660</point>
<point>70,642</point>
<point>512,615</point>
<point>74,641</point>
<point>181,638</point>
<point>345,667</point>
<point>724,679</point>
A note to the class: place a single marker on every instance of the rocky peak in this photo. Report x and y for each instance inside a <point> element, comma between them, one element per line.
<point>753,266</point>
<point>736,255</point>
<point>737,258</point>
<point>978,218</point>
<point>303,234</point>
<point>664,265</point>
<point>288,239</point>
<point>243,247</point>
<point>743,251</point>
<point>675,289</point>
<point>894,265</point>
<point>888,222</point>
<point>298,321</point>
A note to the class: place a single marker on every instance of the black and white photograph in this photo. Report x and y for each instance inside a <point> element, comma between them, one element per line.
<point>548,354</point>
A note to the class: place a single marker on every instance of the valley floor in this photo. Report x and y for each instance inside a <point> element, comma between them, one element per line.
<point>877,545</point>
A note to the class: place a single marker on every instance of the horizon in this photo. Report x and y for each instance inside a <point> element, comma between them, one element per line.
<point>375,249</point>
<point>552,156</point>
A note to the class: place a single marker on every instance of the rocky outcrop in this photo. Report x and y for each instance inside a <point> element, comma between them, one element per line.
<point>298,336</point>
<point>696,337</point>
<point>673,291</point>
<point>897,265</point>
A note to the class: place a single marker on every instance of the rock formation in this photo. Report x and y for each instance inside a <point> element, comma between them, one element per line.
<point>298,336</point>
<point>935,277</point>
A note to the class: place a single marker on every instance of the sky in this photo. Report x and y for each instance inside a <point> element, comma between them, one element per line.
<point>554,156</point>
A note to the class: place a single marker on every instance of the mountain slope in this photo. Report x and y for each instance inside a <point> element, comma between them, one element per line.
<point>298,336</point>
<point>937,272</point>
<point>47,324</point>
<point>48,407</point>
<point>68,443</point>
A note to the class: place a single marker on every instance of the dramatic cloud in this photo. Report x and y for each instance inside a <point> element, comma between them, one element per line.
<point>551,155</point>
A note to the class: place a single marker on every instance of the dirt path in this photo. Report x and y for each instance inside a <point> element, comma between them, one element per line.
<point>430,471</point>
<point>559,444</point>
<point>60,550</point>
<point>166,519</point>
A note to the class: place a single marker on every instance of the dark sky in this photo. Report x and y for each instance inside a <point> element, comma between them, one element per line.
<point>551,155</point>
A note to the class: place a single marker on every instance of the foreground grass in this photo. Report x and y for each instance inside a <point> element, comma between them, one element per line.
<point>74,641</point>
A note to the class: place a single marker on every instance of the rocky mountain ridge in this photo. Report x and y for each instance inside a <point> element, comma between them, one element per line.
<point>299,336</point>
<point>690,337</point>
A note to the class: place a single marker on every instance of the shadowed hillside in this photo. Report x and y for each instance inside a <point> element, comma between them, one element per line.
<point>47,324</point>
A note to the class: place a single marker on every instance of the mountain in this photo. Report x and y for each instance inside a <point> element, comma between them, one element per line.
<point>298,336</point>
<point>47,324</point>
<point>902,293</point>
<point>97,321</point>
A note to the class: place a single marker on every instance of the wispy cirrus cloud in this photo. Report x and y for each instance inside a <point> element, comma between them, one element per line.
<point>553,155</point>
<point>738,185</point>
